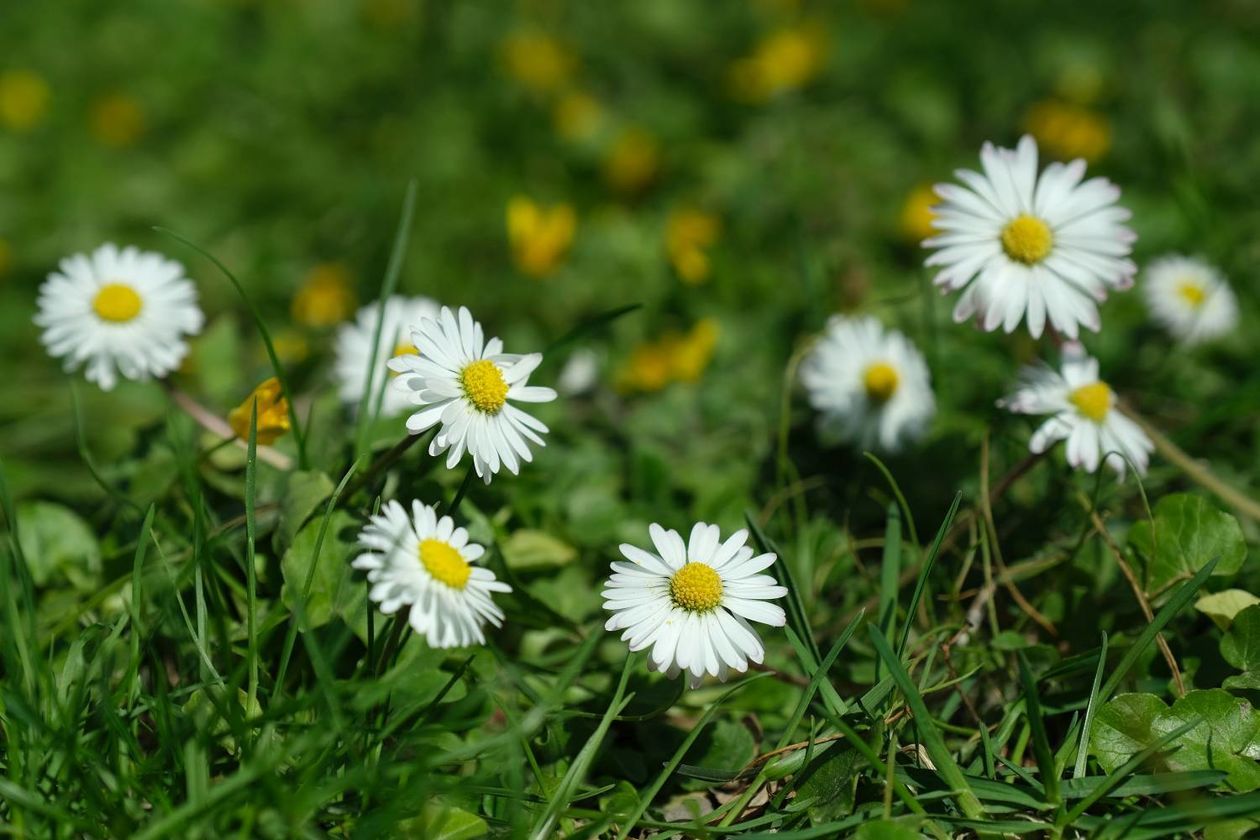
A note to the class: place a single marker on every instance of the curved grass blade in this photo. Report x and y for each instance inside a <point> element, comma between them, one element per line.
<point>1037,723</point>
<point>797,619</point>
<point>929,560</point>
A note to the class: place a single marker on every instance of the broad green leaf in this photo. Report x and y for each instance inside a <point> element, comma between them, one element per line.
<point>1221,607</point>
<point>306,490</point>
<point>525,550</point>
<point>332,583</point>
<point>1187,532</point>
<point>1122,728</point>
<point>59,546</point>
<point>730,747</point>
<point>1227,737</point>
<point>439,821</point>
<point>1241,648</point>
<point>829,783</point>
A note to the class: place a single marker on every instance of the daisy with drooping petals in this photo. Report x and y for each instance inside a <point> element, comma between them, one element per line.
<point>466,384</point>
<point>354,350</point>
<point>1083,412</point>
<point>691,603</point>
<point>1021,246</point>
<point>425,563</point>
<point>871,387</point>
<point>117,312</point>
<point>1190,298</point>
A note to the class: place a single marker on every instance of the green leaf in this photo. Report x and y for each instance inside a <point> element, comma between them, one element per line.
<point>1187,532</point>
<point>58,545</point>
<point>1226,737</point>
<point>526,550</point>
<point>439,821</point>
<point>830,783</point>
<point>306,490</point>
<point>332,583</point>
<point>1241,648</point>
<point>1221,607</point>
<point>906,828</point>
<point>730,748</point>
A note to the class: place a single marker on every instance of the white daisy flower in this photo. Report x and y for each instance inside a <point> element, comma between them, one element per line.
<point>354,349</point>
<point>425,563</point>
<point>1026,246</point>
<point>466,383</point>
<point>118,312</point>
<point>692,603</point>
<point>870,386</point>
<point>1190,298</point>
<point>1082,411</point>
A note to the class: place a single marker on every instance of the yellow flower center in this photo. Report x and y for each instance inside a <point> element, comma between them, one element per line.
<point>484,386</point>
<point>117,302</point>
<point>1093,401</point>
<point>1192,293</point>
<point>880,381</point>
<point>444,563</point>
<point>1027,239</point>
<point>696,588</point>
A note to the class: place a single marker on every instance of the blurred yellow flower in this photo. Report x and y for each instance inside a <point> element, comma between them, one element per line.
<point>916,214</point>
<point>673,357</point>
<point>1069,131</point>
<point>117,120</point>
<point>538,61</point>
<point>23,99</point>
<point>6,257</point>
<point>577,116</point>
<point>290,345</point>
<point>326,296</point>
<point>689,234</point>
<point>539,236</point>
<point>632,162</point>
<point>783,61</point>
<point>273,413</point>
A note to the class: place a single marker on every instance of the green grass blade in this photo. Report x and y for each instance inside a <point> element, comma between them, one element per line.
<point>901,498</point>
<point>929,560</point>
<point>1036,722</point>
<point>798,620</point>
<point>1082,751</point>
<point>890,576</point>
<point>929,733</point>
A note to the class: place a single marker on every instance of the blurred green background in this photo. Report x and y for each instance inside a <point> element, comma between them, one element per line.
<point>743,170</point>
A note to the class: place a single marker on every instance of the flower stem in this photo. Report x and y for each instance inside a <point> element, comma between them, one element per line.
<point>216,425</point>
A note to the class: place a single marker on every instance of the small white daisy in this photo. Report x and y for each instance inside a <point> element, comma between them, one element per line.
<point>467,384</point>
<point>118,312</point>
<point>1023,246</point>
<point>870,387</point>
<point>692,603</point>
<point>425,563</point>
<point>354,349</point>
<point>1082,411</point>
<point>1190,298</point>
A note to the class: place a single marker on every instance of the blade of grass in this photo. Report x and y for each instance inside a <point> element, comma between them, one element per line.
<point>797,619</point>
<point>251,573</point>
<point>1041,743</point>
<point>933,742</point>
<point>546,824</point>
<point>901,499</point>
<point>299,436</point>
<point>364,417</point>
<point>890,574</point>
<point>929,560</point>
<point>1082,751</point>
<point>590,325</point>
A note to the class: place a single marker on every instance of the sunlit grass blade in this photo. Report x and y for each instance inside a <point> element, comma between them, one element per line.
<point>1082,751</point>
<point>929,560</point>
<point>563,794</point>
<point>930,734</point>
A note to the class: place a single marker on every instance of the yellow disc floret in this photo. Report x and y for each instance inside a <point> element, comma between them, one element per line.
<point>696,588</point>
<point>1192,293</point>
<point>880,381</point>
<point>1027,239</point>
<point>117,302</point>
<point>484,386</point>
<point>444,563</point>
<point>1093,401</point>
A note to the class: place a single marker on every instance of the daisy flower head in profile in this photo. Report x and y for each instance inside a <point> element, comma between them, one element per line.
<point>870,386</point>
<point>466,385</point>
<point>354,349</point>
<point>118,312</point>
<point>1189,298</point>
<point>691,602</point>
<point>1081,410</point>
<point>423,562</point>
<point>1022,246</point>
